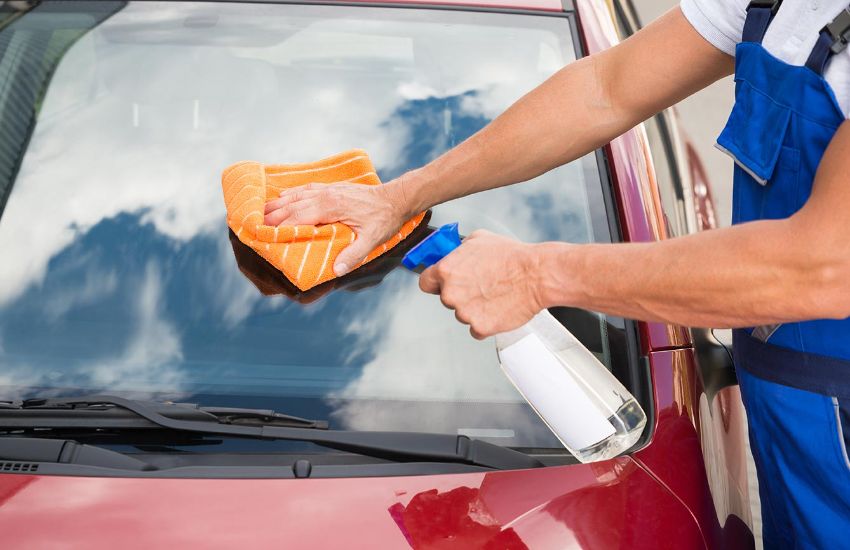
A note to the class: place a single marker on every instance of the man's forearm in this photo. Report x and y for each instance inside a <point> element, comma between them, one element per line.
<point>561,120</point>
<point>757,273</point>
<point>583,106</point>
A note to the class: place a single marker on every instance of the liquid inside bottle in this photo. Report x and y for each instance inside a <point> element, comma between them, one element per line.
<point>584,405</point>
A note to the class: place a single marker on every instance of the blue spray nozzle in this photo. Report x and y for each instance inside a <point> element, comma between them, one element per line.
<point>433,248</point>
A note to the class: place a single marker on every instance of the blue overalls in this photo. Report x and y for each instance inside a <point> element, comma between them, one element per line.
<point>795,377</point>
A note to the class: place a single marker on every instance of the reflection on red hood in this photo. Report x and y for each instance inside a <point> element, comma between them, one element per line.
<point>600,505</point>
<point>457,519</point>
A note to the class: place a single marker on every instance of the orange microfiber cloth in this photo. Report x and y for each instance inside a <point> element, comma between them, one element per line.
<point>304,253</point>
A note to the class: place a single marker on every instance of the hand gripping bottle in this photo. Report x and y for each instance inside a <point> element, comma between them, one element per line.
<point>583,404</point>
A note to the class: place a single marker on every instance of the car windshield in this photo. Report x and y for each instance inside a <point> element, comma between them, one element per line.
<point>119,273</point>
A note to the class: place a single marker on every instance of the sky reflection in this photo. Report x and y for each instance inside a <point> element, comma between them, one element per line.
<point>123,276</point>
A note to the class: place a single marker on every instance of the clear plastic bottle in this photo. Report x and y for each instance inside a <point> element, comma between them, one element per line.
<point>584,405</point>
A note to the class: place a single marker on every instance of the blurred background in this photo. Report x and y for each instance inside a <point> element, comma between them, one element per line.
<point>703,115</point>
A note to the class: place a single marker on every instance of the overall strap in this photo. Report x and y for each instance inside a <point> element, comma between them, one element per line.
<point>759,15</point>
<point>832,40</point>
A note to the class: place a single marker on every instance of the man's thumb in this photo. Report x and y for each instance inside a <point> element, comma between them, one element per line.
<point>352,255</point>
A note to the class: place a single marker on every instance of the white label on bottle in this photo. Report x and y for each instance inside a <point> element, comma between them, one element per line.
<point>551,389</point>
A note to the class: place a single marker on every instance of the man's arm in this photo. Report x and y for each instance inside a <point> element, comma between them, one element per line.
<point>583,106</point>
<point>580,108</point>
<point>755,273</point>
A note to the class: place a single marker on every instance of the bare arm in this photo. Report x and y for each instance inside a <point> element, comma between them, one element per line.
<point>580,108</point>
<point>756,273</point>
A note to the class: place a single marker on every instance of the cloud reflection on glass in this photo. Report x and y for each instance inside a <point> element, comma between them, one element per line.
<point>126,280</point>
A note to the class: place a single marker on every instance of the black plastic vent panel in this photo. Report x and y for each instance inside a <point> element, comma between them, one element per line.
<point>18,467</point>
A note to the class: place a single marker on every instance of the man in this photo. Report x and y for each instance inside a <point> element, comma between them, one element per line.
<point>783,267</point>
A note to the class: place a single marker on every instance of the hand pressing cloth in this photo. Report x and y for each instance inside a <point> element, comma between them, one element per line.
<point>305,254</point>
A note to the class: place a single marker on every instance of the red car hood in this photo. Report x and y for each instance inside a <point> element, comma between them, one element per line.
<point>605,505</point>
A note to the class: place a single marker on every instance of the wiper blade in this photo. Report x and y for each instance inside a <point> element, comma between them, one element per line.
<point>261,417</point>
<point>103,411</point>
<point>399,446</point>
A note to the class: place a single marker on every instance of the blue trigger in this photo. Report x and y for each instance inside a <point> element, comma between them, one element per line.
<point>433,248</point>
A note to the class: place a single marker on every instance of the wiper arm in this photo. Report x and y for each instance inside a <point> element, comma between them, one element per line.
<point>84,412</point>
<point>407,446</point>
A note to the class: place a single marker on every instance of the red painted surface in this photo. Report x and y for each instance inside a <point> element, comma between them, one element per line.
<point>683,490</point>
<point>607,505</point>
<point>688,434</point>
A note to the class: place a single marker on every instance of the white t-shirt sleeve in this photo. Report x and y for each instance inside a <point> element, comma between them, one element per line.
<point>721,22</point>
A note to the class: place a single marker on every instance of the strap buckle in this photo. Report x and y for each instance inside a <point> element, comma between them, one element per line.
<point>773,5</point>
<point>839,31</point>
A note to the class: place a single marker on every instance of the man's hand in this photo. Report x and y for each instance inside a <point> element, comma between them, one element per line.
<point>374,212</point>
<point>489,281</point>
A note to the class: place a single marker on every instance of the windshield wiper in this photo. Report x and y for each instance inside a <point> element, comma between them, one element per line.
<point>105,412</point>
<point>398,446</point>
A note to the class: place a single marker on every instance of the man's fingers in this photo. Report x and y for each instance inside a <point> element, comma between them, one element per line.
<point>274,217</point>
<point>306,212</point>
<point>291,198</point>
<point>462,318</point>
<point>352,255</point>
<point>271,206</point>
<point>429,281</point>
<point>280,216</point>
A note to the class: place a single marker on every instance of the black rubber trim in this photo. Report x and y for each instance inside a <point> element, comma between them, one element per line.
<point>635,374</point>
<point>260,472</point>
<point>641,386</point>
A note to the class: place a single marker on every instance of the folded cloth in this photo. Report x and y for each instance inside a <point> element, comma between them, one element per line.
<point>304,253</point>
<point>270,281</point>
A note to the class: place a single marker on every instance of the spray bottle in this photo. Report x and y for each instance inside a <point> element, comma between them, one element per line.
<point>584,405</point>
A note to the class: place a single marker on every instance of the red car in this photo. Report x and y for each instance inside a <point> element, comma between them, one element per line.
<point>161,386</point>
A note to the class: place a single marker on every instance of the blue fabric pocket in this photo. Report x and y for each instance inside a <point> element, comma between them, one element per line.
<point>781,197</point>
<point>755,131</point>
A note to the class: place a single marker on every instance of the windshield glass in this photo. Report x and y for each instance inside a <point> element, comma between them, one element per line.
<point>119,274</point>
